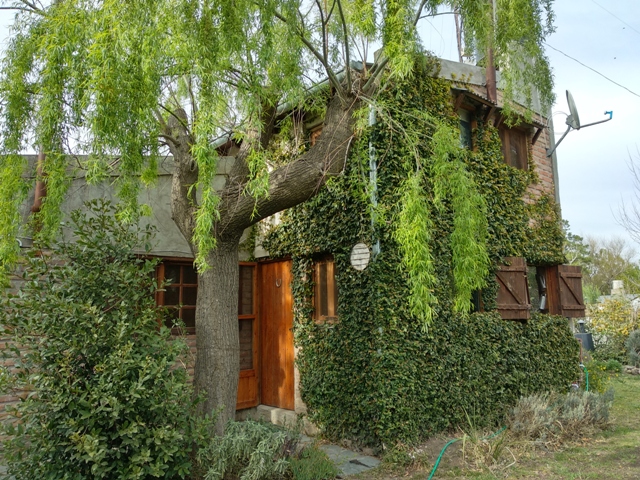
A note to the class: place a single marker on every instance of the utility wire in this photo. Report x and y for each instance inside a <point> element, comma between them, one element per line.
<point>614,15</point>
<point>592,69</point>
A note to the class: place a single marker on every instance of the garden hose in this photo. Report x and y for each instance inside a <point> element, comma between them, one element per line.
<point>586,374</point>
<point>435,467</point>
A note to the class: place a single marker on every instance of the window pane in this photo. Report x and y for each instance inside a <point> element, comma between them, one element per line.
<point>246,344</point>
<point>245,293</point>
<point>172,315</point>
<point>465,134</point>
<point>172,296</point>
<point>334,299</point>
<point>189,275</point>
<point>189,295</point>
<point>322,281</point>
<point>189,318</point>
<point>172,273</point>
<point>514,160</point>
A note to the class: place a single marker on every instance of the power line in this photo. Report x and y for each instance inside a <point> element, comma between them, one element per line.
<point>614,15</point>
<point>592,69</point>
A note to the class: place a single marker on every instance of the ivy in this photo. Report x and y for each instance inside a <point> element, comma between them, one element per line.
<point>375,376</point>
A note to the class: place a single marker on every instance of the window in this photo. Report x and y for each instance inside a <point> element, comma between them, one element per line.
<point>326,291</point>
<point>465,124</point>
<point>180,293</point>
<point>514,147</point>
<point>537,280</point>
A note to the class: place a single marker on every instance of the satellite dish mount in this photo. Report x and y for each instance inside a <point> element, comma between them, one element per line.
<point>573,121</point>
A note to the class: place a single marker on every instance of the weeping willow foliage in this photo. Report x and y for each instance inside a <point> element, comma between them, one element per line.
<point>453,186</point>
<point>102,78</point>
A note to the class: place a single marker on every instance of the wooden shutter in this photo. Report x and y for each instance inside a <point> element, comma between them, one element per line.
<point>570,302</point>
<point>513,292</point>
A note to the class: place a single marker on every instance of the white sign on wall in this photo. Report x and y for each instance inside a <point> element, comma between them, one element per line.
<point>360,256</point>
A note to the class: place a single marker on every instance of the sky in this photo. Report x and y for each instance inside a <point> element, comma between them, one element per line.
<point>594,177</point>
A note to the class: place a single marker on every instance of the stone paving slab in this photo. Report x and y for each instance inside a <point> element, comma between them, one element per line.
<point>348,462</point>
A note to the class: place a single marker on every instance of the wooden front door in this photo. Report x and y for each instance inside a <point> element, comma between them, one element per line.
<point>276,335</point>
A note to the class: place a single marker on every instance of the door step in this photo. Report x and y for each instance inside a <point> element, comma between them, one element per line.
<point>277,416</point>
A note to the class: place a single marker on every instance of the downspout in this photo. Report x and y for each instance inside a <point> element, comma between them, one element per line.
<point>492,89</point>
<point>373,183</point>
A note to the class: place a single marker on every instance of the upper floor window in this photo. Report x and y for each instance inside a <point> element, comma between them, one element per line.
<point>465,124</point>
<point>514,147</point>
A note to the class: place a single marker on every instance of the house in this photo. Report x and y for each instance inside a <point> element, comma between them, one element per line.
<point>335,283</point>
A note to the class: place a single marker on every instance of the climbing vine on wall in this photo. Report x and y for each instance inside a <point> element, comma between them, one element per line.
<point>375,375</point>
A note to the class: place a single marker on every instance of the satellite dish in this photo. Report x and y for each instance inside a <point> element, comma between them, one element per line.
<point>573,121</point>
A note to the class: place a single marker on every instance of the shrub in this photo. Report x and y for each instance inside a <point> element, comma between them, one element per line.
<point>106,398</point>
<point>611,322</point>
<point>248,450</point>
<point>551,418</point>
<point>599,375</point>
<point>633,348</point>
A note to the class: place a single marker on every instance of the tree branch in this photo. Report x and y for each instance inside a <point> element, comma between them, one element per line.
<point>299,180</point>
<point>32,6</point>
<point>377,69</point>
<point>325,49</point>
<point>419,12</point>
<point>346,45</point>
<point>24,9</point>
<point>176,117</point>
<point>322,59</point>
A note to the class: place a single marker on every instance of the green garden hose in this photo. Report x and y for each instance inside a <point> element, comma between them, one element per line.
<point>435,467</point>
<point>586,374</point>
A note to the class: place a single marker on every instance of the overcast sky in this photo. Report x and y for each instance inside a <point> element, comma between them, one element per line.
<point>593,175</point>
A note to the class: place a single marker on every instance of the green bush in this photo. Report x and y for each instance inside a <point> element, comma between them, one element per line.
<point>599,375</point>
<point>633,348</point>
<point>611,322</point>
<point>107,400</point>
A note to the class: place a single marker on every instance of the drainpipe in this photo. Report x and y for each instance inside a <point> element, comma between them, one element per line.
<point>373,182</point>
<point>41,187</point>
<point>492,90</point>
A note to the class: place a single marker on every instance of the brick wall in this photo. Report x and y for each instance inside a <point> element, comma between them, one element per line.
<point>543,166</point>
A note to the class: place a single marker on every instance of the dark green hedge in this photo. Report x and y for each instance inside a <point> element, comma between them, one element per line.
<point>375,376</point>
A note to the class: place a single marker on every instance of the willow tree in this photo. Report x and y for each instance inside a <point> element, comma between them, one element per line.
<point>124,82</point>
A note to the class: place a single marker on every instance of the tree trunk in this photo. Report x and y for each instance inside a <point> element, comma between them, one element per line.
<point>217,342</point>
<point>218,352</point>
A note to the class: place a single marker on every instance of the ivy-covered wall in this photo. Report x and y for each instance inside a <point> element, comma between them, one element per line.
<point>376,375</point>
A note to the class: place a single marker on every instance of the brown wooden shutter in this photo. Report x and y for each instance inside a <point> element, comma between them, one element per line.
<point>570,291</point>
<point>513,292</point>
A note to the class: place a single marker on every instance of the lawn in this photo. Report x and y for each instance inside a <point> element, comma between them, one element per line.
<point>611,454</point>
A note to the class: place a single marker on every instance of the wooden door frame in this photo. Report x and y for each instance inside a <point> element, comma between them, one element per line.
<point>245,375</point>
